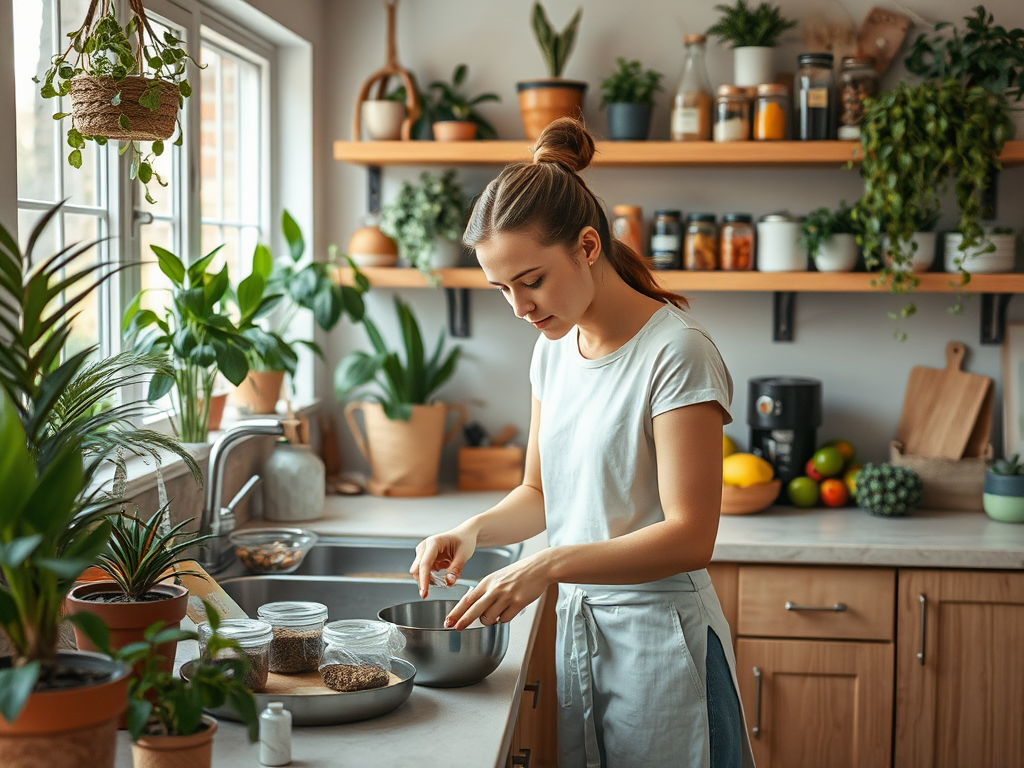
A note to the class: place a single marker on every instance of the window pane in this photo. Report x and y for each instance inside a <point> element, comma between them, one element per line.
<point>210,152</point>
<point>152,280</point>
<point>46,245</point>
<point>81,185</point>
<point>86,327</point>
<point>33,46</point>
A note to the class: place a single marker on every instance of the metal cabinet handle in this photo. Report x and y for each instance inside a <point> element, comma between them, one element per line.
<point>837,608</point>
<point>924,626</point>
<point>523,758</point>
<point>533,688</point>
<point>756,730</point>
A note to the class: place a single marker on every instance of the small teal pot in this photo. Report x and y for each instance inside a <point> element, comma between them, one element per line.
<point>1003,499</point>
<point>629,122</point>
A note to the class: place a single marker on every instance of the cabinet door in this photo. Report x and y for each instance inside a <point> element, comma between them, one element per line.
<point>537,728</point>
<point>960,671</point>
<point>817,703</point>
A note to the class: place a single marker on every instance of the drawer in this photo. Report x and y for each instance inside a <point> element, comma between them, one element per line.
<point>814,602</point>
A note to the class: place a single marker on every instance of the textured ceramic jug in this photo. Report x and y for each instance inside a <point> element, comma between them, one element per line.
<point>293,484</point>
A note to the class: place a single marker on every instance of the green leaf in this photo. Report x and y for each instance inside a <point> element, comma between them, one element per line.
<point>355,370</point>
<point>116,100</point>
<point>16,465</point>
<point>122,121</point>
<point>293,236</point>
<point>139,711</point>
<point>16,683</point>
<point>198,268</point>
<point>158,148</point>
<point>145,173</point>
<point>75,158</point>
<point>159,386</point>
<point>215,289</point>
<point>94,628</point>
<point>185,89</point>
<point>232,363</point>
<point>14,553</point>
<point>170,265</point>
<point>262,261</point>
<point>250,292</point>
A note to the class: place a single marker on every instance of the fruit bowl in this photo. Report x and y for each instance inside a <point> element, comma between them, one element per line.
<point>753,498</point>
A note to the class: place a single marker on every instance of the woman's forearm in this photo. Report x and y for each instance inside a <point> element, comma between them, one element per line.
<point>517,517</point>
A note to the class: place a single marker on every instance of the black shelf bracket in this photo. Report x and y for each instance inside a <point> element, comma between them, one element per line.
<point>458,312</point>
<point>993,317</point>
<point>373,188</point>
<point>782,315</point>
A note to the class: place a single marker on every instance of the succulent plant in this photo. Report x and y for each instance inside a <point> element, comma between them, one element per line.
<point>887,490</point>
<point>1008,466</point>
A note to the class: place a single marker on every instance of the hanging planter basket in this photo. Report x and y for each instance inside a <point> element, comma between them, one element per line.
<point>92,104</point>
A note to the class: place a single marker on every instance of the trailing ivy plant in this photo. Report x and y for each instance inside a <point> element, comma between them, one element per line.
<point>104,49</point>
<point>630,84</point>
<point>742,26</point>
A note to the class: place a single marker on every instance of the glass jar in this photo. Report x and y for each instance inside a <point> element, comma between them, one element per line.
<point>701,248</point>
<point>297,627</point>
<point>254,637</point>
<point>357,653</point>
<point>691,108</point>
<point>779,247</point>
<point>772,113</point>
<point>736,242</point>
<point>816,97</point>
<point>858,81</point>
<point>627,226</point>
<point>732,114</point>
<point>667,239</point>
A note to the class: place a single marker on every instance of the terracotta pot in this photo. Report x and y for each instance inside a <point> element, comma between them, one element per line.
<point>192,751</point>
<point>128,621</point>
<point>71,727</point>
<point>404,456</point>
<point>260,391</point>
<point>369,247</point>
<point>542,101</point>
<point>454,130</point>
<point>217,403</point>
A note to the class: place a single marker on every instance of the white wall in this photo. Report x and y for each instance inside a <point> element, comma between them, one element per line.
<point>846,340</point>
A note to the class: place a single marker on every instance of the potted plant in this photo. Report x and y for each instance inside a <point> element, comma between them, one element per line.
<point>383,116</point>
<point>165,712</point>
<point>753,34</point>
<point>543,101</point>
<point>405,427</point>
<point>1003,497</point>
<point>922,245</point>
<point>452,113</point>
<point>426,220</point>
<point>119,88</point>
<point>831,238</point>
<point>628,93</point>
<point>996,252</point>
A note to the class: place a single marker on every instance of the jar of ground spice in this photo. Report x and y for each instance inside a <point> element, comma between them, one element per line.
<point>357,654</point>
<point>700,250</point>
<point>772,115</point>
<point>254,637</point>
<point>298,635</point>
<point>736,242</point>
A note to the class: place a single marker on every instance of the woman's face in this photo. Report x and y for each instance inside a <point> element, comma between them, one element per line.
<point>549,286</point>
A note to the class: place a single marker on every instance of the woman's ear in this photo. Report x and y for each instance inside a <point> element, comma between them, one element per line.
<point>590,245</point>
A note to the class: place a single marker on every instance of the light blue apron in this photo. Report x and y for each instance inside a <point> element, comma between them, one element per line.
<point>631,674</point>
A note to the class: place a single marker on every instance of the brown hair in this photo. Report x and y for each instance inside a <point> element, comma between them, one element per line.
<point>549,197</point>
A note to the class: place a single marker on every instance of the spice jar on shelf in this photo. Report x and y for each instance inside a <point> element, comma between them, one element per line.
<point>667,239</point>
<point>732,114</point>
<point>858,81</point>
<point>254,637</point>
<point>736,242</point>
<point>628,226</point>
<point>297,628</point>
<point>691,108</point>
<point>778,244</point>
<point>815,102</point>
<point>700,250</point>
<point>772,113</point>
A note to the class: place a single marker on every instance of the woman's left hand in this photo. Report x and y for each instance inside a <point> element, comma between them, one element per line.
<point>499,597</point>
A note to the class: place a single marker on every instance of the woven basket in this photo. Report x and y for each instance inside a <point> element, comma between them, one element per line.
<point>946,484</point>
<point>96,116</point>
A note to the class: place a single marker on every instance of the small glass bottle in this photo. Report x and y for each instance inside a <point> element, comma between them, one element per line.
<point>736,242</point>
<point>275,735</point>
<point>816,97</point>
<point>732,114</point>
<point>691,110</point>
<point>628,225</point>
<point>254,637</point>
<point>666,239</point>
<point>858,81</point>
<point>298,635</point>
<point>701,248</point>
<point>771,123</point>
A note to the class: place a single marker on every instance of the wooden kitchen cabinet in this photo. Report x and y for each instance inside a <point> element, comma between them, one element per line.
<point>960,669</point>
<point>537,725</point>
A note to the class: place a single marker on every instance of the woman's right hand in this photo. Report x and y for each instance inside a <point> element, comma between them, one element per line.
<point>448,550</point>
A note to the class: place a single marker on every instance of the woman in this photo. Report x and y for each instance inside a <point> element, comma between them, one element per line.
<point>623,469</point>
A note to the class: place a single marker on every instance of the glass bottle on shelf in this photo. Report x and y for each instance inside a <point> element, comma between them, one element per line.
<point>691,110</point>
<point>859,81</point>
<point>816,103</point>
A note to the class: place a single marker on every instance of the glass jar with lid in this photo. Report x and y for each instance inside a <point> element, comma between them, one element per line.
<point>771,122</point>
<point>627,226</point>
<point>297,628</point>
<point>700,250</point>
<point>736,242</point>
<point>858,81</point>
<point>667,239</point>
<point>816,97</point>
<point>253,636</point>
<point>779,247</point>
<point>732,114</point>
<point>357,653</point>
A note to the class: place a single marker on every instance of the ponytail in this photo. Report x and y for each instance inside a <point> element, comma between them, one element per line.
<point>633,269</point>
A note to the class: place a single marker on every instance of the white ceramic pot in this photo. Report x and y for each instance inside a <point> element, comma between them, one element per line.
<point>1002,259</point>
<point>293,484</point>
<point>382,120</point>
<point>922,258</point>
<point>447,254</point>
<point>837,254</point>
<point>753,65</point>
<point>778,244</point>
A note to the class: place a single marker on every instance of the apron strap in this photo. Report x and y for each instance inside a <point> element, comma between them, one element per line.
<point>579,643</point>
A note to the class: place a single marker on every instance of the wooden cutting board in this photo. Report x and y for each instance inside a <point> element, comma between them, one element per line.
<point>947,410</point>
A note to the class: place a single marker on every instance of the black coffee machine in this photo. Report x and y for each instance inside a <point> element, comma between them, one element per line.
<point>784,413</point>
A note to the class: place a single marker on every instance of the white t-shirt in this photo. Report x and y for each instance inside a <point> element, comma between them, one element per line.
<point>598,464</point>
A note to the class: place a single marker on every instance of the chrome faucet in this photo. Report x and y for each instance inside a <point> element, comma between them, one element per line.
<point>216,519</point>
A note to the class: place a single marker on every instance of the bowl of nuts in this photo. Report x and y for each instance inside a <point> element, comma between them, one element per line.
<point>272,550</point>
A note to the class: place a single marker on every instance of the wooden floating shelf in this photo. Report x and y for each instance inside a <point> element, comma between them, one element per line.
<point>750,154</point>
<point>683,281</point>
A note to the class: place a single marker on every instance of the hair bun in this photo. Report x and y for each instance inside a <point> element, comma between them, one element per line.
<point>565,142</point>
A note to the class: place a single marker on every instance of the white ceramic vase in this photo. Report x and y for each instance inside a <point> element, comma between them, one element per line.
<point>922,258</point>
<point>837,254</point>
<point>1002,259</point>
<point>382,119</point>
<point>447,254</point>
<point>753,65</point>
<point>293,484</point>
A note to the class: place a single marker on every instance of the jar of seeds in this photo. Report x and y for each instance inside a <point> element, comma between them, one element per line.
<point>298,634</point>
<point>357,654</point>
<point>254,637</point>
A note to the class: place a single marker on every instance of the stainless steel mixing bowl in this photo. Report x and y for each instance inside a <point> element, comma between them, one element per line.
<point>443,657</point>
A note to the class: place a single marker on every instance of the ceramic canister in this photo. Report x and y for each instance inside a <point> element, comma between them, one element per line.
<point>293,485</point>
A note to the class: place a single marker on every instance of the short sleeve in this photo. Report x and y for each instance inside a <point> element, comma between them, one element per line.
<point>537,367</point>
<point>690,370</point>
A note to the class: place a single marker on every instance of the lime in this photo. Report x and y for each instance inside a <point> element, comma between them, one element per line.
<point>803,492</point>
<point>828,461</point>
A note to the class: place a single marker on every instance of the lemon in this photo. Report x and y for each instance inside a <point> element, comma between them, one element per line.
<point>745,469</point>
<point>728,446</point>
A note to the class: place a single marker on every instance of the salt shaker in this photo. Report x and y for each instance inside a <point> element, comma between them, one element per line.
<point>275,735</point>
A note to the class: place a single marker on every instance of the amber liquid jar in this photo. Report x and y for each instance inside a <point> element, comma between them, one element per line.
<point>700,251</point>
<point>736,242</point>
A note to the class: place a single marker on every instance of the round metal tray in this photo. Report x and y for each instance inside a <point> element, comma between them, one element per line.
<point>333,707</point>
